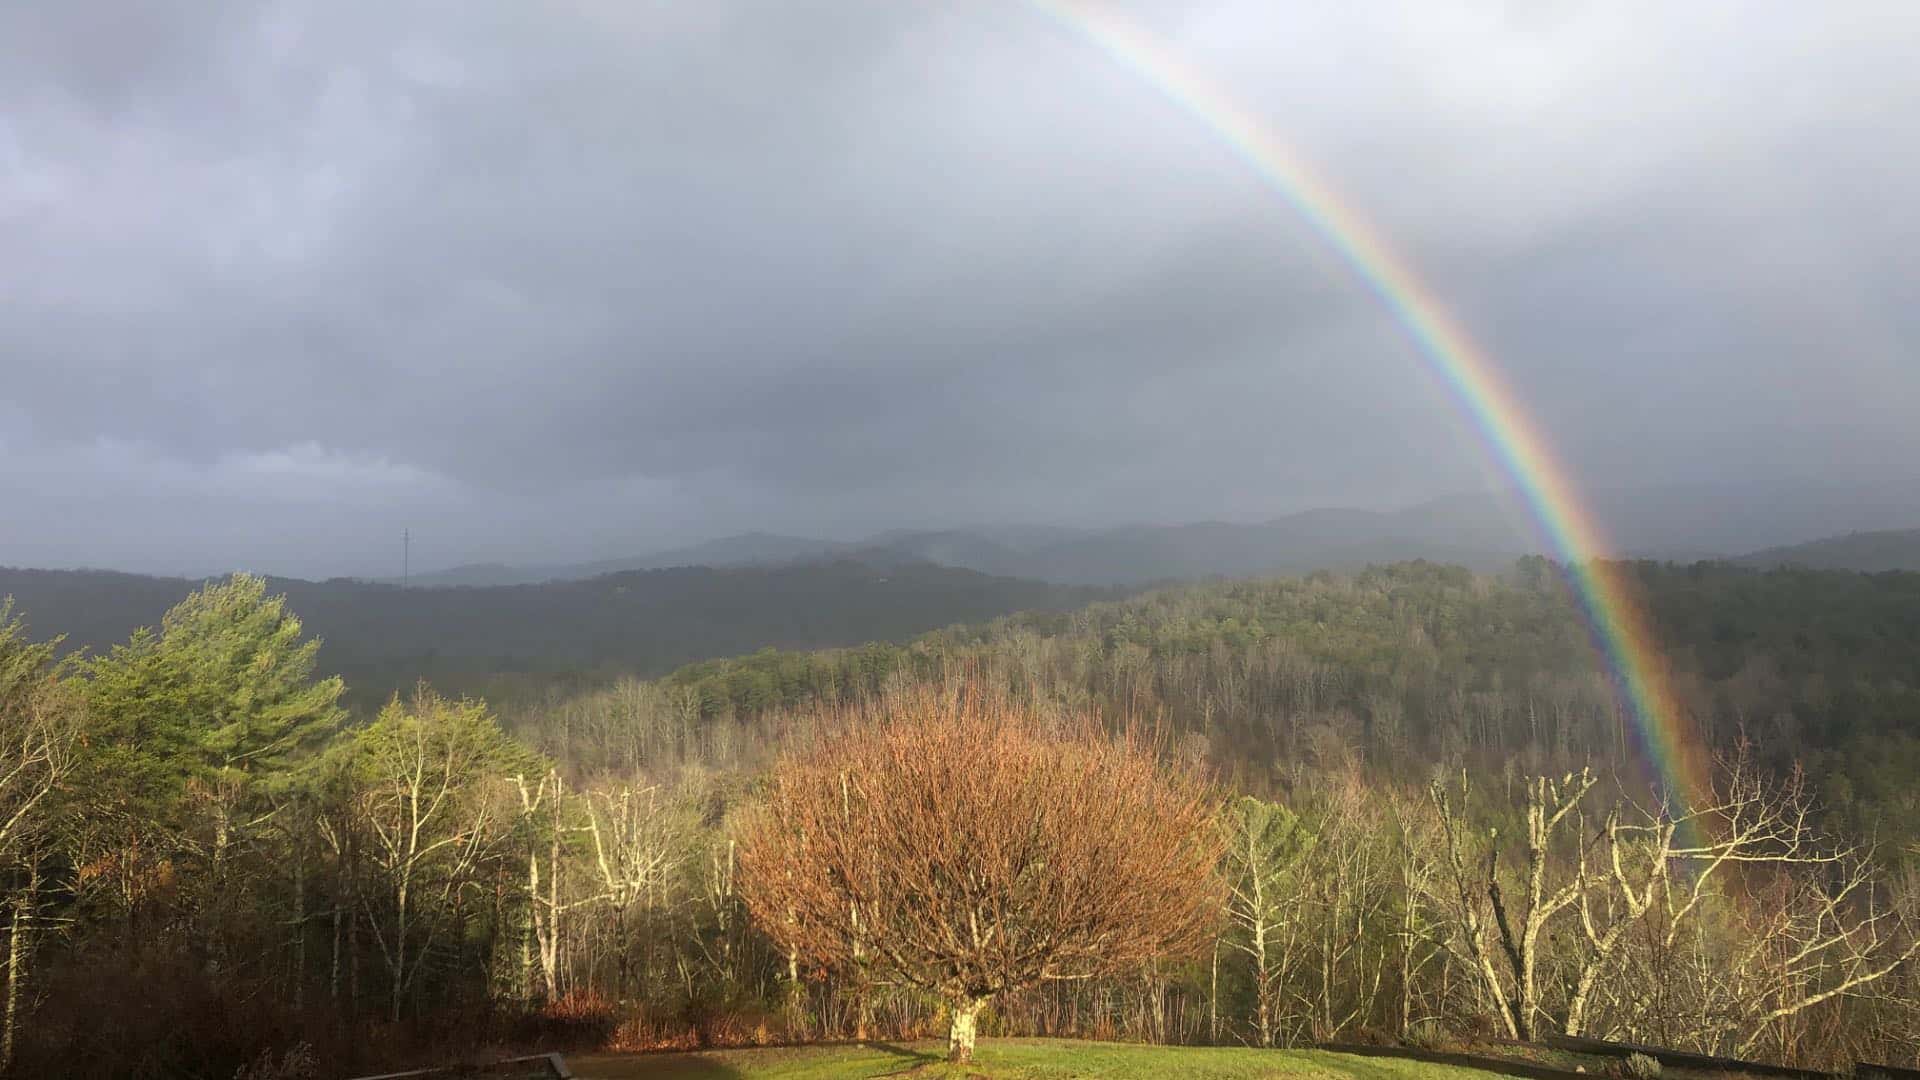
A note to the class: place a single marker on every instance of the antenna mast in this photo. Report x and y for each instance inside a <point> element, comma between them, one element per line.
<point>406,556</point>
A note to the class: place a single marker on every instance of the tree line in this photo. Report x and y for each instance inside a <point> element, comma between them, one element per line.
<point>570,635</point>
<point>1430,822</point>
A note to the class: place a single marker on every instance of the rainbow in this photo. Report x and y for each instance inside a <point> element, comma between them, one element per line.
<point>1616,619</point>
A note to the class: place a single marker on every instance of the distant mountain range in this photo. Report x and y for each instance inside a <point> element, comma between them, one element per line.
<point>474,626</point>
<point>747,549</point>
<point>1872,552</point>
<point>1479,531</point>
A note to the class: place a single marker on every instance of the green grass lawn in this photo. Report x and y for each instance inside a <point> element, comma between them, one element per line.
<point>1011,1059</point>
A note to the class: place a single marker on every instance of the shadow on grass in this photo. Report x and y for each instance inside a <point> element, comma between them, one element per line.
<point>911,1060</point>
<point>727,1064</point>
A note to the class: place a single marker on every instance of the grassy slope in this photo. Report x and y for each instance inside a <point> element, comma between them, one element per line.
<point>1009,1059</point>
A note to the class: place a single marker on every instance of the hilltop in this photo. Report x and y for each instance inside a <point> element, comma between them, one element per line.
<point>1869,552</point>
<point>1482,531</point>
<point>382,637</point>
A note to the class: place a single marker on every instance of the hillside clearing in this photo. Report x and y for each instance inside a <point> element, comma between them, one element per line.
<point>1010,1059</point>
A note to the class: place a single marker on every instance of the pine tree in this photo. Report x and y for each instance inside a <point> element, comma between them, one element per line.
<point>196,731</point>
<point>224,695</point>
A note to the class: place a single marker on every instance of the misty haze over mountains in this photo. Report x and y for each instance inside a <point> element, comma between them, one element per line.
<point>470,627</point>
<point>1483,532</point>
<point>646,614</point>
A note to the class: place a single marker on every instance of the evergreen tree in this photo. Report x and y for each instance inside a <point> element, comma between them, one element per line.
<point>196,734</point>
<point>224,696</point>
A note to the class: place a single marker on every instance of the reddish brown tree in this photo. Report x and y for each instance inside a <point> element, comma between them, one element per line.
<point>955,841</point>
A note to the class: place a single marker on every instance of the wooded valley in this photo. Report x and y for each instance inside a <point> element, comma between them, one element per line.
<point>1434,820</point>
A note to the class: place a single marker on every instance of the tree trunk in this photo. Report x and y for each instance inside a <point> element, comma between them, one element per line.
<point>1526,1004</point>
<point>399,965</point>
<point>1213,996</point>
<point>1262,984</point>
<point>213,930</point>
<point>300,930</point>
<point>17,947</point>
<point>1406,959</point>
<point>966,1020</point>
<point>1577,1005</point>
<point>550,937</point>
<point>353,963</point>
<point>333,972</point>
<point>527,988</point>
<point>16,956</point>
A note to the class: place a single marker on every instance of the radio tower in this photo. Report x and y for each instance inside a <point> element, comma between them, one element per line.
<point>406,556</point>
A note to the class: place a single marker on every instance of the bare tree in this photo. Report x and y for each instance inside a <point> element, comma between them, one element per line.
<point>1420,936</point>
<point>1499,930</point>
<point>1734,895</point>
<point>543,810</point>
<point>1265,843</point>
<point>423,769</point>
<point>1813,938</point>
<point>946,842</point>
<point>1347,899</point>
<point>38,732</point>
<point>1659,866</point>
<point>637,845</point>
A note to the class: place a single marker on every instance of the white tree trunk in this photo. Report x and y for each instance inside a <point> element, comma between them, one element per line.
<point>16,956</point>
<point>966,1021</point>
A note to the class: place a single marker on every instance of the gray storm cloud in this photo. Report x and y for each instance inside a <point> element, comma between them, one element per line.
<point>574,280</point>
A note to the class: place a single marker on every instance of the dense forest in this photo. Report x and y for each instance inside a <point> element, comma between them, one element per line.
<point>1407,663</point>
<point>1438,824</point>
<point>382,638</point>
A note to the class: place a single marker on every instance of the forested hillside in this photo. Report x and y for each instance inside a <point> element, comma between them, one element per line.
<point>383,638</point>
<point>1869,552</point>
<point>746,549</point>
<point>1413,663</point>
<point>1437,824</point>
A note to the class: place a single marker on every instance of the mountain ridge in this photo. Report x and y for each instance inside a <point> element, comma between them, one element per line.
<point>1866,552</point>
<point>383,637</point>
<point>1483,531</point>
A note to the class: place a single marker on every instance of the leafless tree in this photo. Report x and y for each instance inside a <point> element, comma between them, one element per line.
<point>1734,895</point>
<point>37,737</point>
<point>544,806</point>
<point>1266,846</point>
<point>945,841</point>
<point>423,803</point>
<point>1498,927</point>
<point>637,845</point>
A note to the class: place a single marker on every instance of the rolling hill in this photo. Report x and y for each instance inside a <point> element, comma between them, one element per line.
<point>1482,530</point>
<point>1871,552</point>
<point>382,637</point>
<point>746,549</point>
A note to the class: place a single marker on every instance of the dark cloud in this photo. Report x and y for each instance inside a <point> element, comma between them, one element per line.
<point>569,280</point>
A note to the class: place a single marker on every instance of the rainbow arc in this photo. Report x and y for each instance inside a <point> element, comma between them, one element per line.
<point>1604,590</point>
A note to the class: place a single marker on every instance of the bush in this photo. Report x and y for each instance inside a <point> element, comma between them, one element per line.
<point>577,1020</point>
<point>1368,1035</point>
<point>1429,1035</point>
<point>1642,1067</point>
<point>296,1064</point>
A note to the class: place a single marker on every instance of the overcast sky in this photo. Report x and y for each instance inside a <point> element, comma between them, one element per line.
<point>568,280</point>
